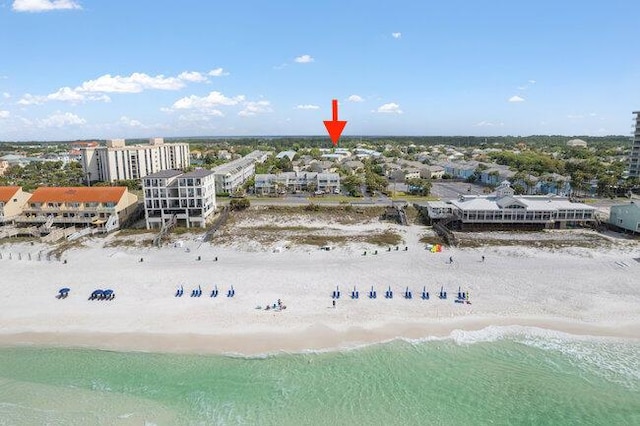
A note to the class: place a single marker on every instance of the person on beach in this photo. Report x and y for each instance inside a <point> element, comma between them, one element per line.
<point>451,259</point>
<point>334,303</point>
<point>483,258</point>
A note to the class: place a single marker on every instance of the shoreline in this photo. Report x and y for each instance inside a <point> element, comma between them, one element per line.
<point>319,338</point>
<point>577,291</point>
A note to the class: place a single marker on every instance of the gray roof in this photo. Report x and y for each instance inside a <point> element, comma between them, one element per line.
<point>163,174</point>
<point>532,202</point>
<point>198,173</point>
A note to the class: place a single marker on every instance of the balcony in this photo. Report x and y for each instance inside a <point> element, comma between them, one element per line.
<point>52,210</point>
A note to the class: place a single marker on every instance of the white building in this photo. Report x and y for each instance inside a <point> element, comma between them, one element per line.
<point>577,143</point>
<point>634,157</point>
<point>191,197</point>
<point>117,161</point>
<point>266,184</point>
<point>504,209</point>
<point>230,176</point>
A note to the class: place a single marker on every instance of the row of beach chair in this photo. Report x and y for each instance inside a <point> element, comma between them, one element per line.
<point>197,292</point>
<point>463,297</point>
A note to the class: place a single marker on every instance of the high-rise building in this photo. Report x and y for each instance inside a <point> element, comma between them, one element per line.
<point>634,157</point>
<point>118,161</point>
<point>190,197</point>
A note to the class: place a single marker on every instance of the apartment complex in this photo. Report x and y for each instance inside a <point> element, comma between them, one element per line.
<point>189,197</point>
<point>269,184</point>
<point>118,161</point>
<point>79,206</point>
<point>503,210</point>
<point>12,201</point>
<point>634,157</point>
<point>230,176</point>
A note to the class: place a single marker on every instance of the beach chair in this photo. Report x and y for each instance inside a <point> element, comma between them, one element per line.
<point>372,293</point>
<point>407,294</point>
<point>443,294</point>
<point>214,292</point>
<point>389,294</point>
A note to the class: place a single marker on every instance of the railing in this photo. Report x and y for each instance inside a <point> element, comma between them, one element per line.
<point>59,219</point>
<point>50,210</point>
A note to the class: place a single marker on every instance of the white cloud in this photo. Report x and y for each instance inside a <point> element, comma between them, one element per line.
<point>95,90</point>
<point>396,35</point>
<point>355,98</point>
<point>135,83</point>
<point>6,95</point>
<point>532,82</point>
<point>61,120</point>
<point>488,124</point>
<point>304,59</point>
<point>516,98</point>
<point>4,114</point>
<point>218,72</point>
<point>44,5</point>
<point>65,94</point>
<point>307,107</point>
<point>254,108</point>
<point>212,100</point>
<point>390,108</point>
<point>130,122</point>
<point>192,76</point>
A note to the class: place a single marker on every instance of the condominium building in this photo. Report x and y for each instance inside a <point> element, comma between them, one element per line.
<point>79,206</point>
<point>12,201</point>
<point>267,184</point>
<point>118,161</point>
<point>189,197</point>
<point>230,176</point>
<point>626,216</point>
<point>634,157</point>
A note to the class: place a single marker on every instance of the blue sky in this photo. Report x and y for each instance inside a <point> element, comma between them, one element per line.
<point>82,69</point>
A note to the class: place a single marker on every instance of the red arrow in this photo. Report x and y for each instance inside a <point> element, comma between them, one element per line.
<point>335,126</point>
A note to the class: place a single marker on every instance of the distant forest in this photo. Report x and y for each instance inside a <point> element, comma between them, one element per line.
<point>295,142</point>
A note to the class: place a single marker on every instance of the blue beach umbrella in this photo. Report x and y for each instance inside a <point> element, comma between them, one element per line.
<point>64,290</point>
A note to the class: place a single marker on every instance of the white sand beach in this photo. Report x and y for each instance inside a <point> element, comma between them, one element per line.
<point>575,290</point>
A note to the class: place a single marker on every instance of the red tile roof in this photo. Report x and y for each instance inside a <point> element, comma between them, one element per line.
<point>78,194</point>
<point>7,192</point>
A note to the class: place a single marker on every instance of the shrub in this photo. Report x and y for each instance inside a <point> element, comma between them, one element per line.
<point>239,203</point>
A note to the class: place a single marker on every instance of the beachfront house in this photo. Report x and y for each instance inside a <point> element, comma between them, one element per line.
<point>272,184</point>
<point>189,198</point>
<point>99,207</point>
<point>12,202</point>
<point>625,217</point>
<point>504,210</point>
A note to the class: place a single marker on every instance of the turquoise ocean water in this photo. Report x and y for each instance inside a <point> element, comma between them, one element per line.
<point>530,378</point>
